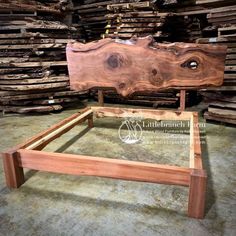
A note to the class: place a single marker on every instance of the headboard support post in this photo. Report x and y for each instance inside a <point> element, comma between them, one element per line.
<point>182,99</point>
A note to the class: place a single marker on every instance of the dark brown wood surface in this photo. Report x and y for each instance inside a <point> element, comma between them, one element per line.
<point>143,65</point>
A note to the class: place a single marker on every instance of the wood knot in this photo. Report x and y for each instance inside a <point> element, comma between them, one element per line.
<point>155,77</point>
<point>114,61</point>
<point>192,64</point>
<point>154,71</point>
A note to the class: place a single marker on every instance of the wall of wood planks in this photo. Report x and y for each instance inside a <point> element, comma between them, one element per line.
<point>33,67</point>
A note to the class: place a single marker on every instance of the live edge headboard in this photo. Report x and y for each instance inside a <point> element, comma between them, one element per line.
<point>143,65</point>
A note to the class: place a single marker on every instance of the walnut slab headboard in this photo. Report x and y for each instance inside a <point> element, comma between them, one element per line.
<point>143,65</point>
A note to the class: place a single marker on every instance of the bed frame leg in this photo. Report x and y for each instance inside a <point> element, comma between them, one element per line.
<point>14,174</point>
<point>90,121</point>
<point>197,193</point>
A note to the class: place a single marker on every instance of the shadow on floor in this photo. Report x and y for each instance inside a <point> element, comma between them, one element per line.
<point>95,202</point>
<point>210,194</point>
<point>73,140</point>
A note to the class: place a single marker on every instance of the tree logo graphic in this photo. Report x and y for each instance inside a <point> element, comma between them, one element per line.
<point>130,131</point>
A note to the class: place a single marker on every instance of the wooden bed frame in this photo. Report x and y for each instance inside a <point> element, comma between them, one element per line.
<point>28,155</point>
<point>120,65</point>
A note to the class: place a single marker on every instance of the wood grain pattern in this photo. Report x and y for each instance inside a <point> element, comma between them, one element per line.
<point>195,143</point>
<point>141,113</point>
<point>197,194</point>
<point>182,99</point>
<point>143,65</point>
<point>100,98</point>
<point>103,167</point>
<point>14,174</point>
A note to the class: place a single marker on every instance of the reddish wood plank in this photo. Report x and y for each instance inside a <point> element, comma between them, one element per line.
<point>100,98</point>
<point>195,143</point>
<point>103,167</point>
<point>144,65</point>
<point>197,194</point>
<point>182,99</point>
<point>14,174</point>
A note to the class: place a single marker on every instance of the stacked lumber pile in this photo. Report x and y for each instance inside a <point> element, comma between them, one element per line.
<point>222,106</point>
<point>140,19</point>
<point>89,18</point>
<point>50,6</point>
<point>168,98</point>
<point>33,67</point>
<point>145,99</point>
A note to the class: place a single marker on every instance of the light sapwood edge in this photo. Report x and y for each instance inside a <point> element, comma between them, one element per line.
<point>144,113</point>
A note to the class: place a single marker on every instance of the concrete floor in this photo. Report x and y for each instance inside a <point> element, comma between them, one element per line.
<point>53,204</point>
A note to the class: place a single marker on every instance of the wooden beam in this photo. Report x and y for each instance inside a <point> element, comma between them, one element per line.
<point>38,64</point>
<point>103,167</point>
<point>14,174</point>
<point>195,143</point>
<point>143,113</point>
<point>182,99</point>
<point>90,121</point>
<point>100,98</point>
<point>61,130</point>
<point>197,194</point>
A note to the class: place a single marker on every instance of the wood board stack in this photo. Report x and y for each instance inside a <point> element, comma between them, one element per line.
<point>222,107</point>
<point>211,15</point>
<point>140,19</point>
<point>145,99</point>
<point>89,18</point>
<point>49,7</point>
<point>33,68</point>
<point>222,15</point>
<point>168,98</point>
